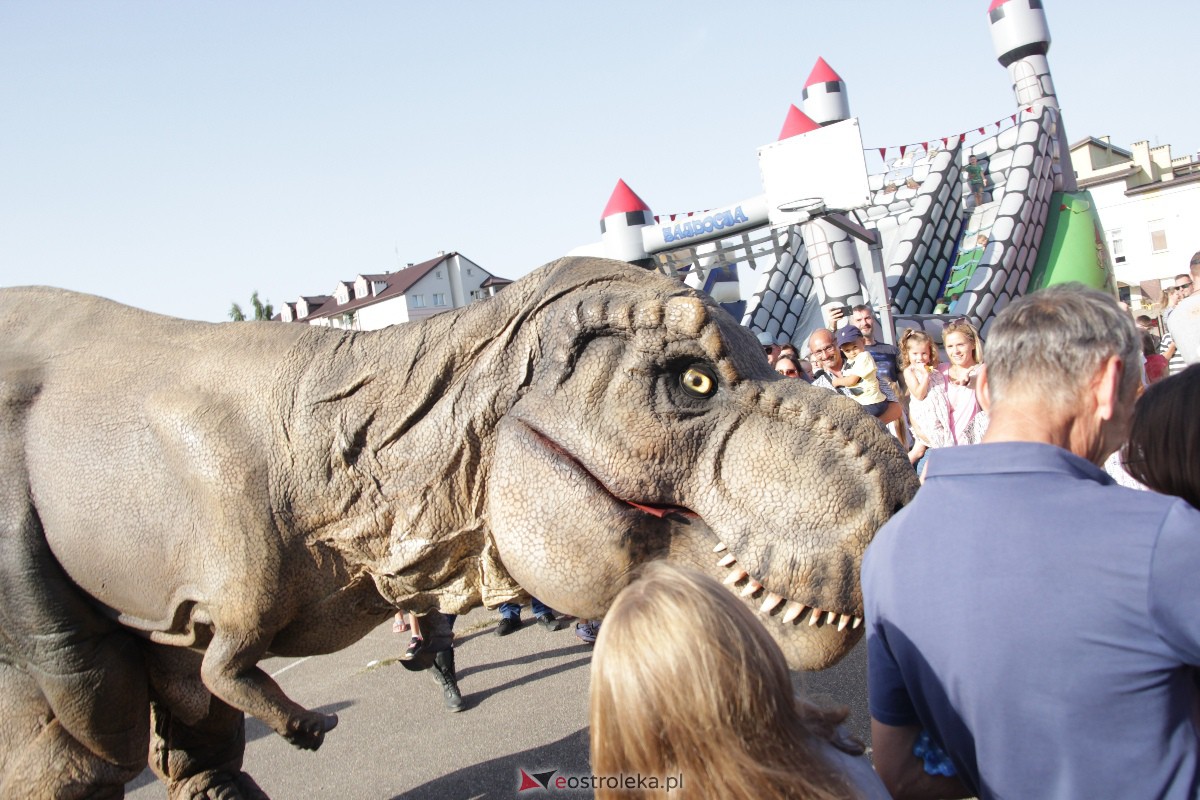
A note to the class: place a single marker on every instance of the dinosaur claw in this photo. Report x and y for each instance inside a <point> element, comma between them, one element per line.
<point>307,731</point>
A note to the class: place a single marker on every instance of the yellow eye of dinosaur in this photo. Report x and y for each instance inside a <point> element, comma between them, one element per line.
<point>698,381</point>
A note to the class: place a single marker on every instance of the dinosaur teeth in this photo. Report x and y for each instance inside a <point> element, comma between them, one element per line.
<point>772,602</point>
<point>720,548</point>
<point>793,610</point>
<point>769,602</point>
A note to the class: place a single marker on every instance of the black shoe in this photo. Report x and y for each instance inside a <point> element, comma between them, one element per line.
<point>507,625</point>
<point>549,622</point>
<point>443,672</point>
<point>416,646</point>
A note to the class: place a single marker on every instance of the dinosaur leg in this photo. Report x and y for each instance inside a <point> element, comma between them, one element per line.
<point>39,760</point>
<point>197,741</point>
<point>89,671</point>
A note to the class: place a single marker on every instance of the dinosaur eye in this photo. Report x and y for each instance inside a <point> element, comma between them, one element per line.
<point>698,381</point>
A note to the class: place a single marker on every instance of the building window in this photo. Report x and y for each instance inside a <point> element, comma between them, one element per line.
<point>1158,235</point>
<point>439,298</point>
<point>418,301</point>
<point>438,274</point>
<point>1116,243</point>
<point>470,271</point>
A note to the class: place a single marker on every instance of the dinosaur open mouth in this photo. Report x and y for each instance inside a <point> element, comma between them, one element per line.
<point>788,612</point>
<point>785,611</point>
<point>659,510</point>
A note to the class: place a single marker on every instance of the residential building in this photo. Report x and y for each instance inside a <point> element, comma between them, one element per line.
<point>374,301</point>
<point>1149,205</point>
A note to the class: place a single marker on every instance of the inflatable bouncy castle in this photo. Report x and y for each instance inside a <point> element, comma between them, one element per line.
<point>915,241</point>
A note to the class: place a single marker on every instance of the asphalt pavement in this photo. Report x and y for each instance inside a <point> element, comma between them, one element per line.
<point>526,709</point>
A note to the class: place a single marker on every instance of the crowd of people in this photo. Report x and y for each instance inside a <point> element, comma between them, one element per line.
<point>925,402</point>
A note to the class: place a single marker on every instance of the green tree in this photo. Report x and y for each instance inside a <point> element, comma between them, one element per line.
<point>262,311</point>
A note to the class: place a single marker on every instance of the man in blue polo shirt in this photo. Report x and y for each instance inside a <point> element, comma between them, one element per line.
<point>1034,620</point>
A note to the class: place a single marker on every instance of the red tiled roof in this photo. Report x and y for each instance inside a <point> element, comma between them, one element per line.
<point>397,282</point>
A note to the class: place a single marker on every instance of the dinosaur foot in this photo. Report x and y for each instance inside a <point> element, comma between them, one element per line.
<point>217,785</point>
<point>307,730</point>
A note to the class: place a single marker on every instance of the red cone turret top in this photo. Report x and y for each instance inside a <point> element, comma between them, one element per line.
<point>623,199</point>
<point>822,73</point>
<point>797,122</point>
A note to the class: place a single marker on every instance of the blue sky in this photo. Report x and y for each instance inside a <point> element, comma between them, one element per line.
<point>178,155</point>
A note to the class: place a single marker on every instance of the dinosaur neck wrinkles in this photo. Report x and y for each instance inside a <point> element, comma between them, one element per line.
<point>390,435</point>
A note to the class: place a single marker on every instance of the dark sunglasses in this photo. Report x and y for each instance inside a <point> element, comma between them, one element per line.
<point>1187,285</point>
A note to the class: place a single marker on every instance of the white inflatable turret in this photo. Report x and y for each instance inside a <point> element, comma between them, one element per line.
<point>825,97</point>
<point>1021,37</point>
<point>621,225</point>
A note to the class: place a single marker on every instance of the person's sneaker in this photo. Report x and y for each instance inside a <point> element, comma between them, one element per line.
<point>415,645</point>
<point>549,622</point>
<point>507,625</point>
<point>587,630</point>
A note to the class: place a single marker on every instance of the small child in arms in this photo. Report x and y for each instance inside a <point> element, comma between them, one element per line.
<point>928,407</point>
<point>858,372</point>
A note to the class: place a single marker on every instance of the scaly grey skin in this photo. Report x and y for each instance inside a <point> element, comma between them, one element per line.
<point>179,500</point>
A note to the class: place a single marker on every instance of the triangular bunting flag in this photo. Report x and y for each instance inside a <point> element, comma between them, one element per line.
<point>903,147</point>
<point>962,137</point>
<point>883,153</point>
<point>945,141</point>
<point>982,132</point>
<point>1014,119</point>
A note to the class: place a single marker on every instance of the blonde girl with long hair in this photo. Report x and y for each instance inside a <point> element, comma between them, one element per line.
<point>964,348</point>
<point>687,685</point>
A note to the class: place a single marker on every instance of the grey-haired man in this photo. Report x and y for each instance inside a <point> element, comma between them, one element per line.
<point>1034,620</point>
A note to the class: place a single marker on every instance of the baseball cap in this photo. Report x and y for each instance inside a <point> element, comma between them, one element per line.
<point>848,334</point>
<point>766,339</point>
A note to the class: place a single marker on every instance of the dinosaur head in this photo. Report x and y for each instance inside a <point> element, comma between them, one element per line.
<point>650,426</point>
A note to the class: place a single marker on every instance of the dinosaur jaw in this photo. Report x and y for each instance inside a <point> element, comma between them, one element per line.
<point>812,635</point>
<point>582,516</point>
<point>775,606</point>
